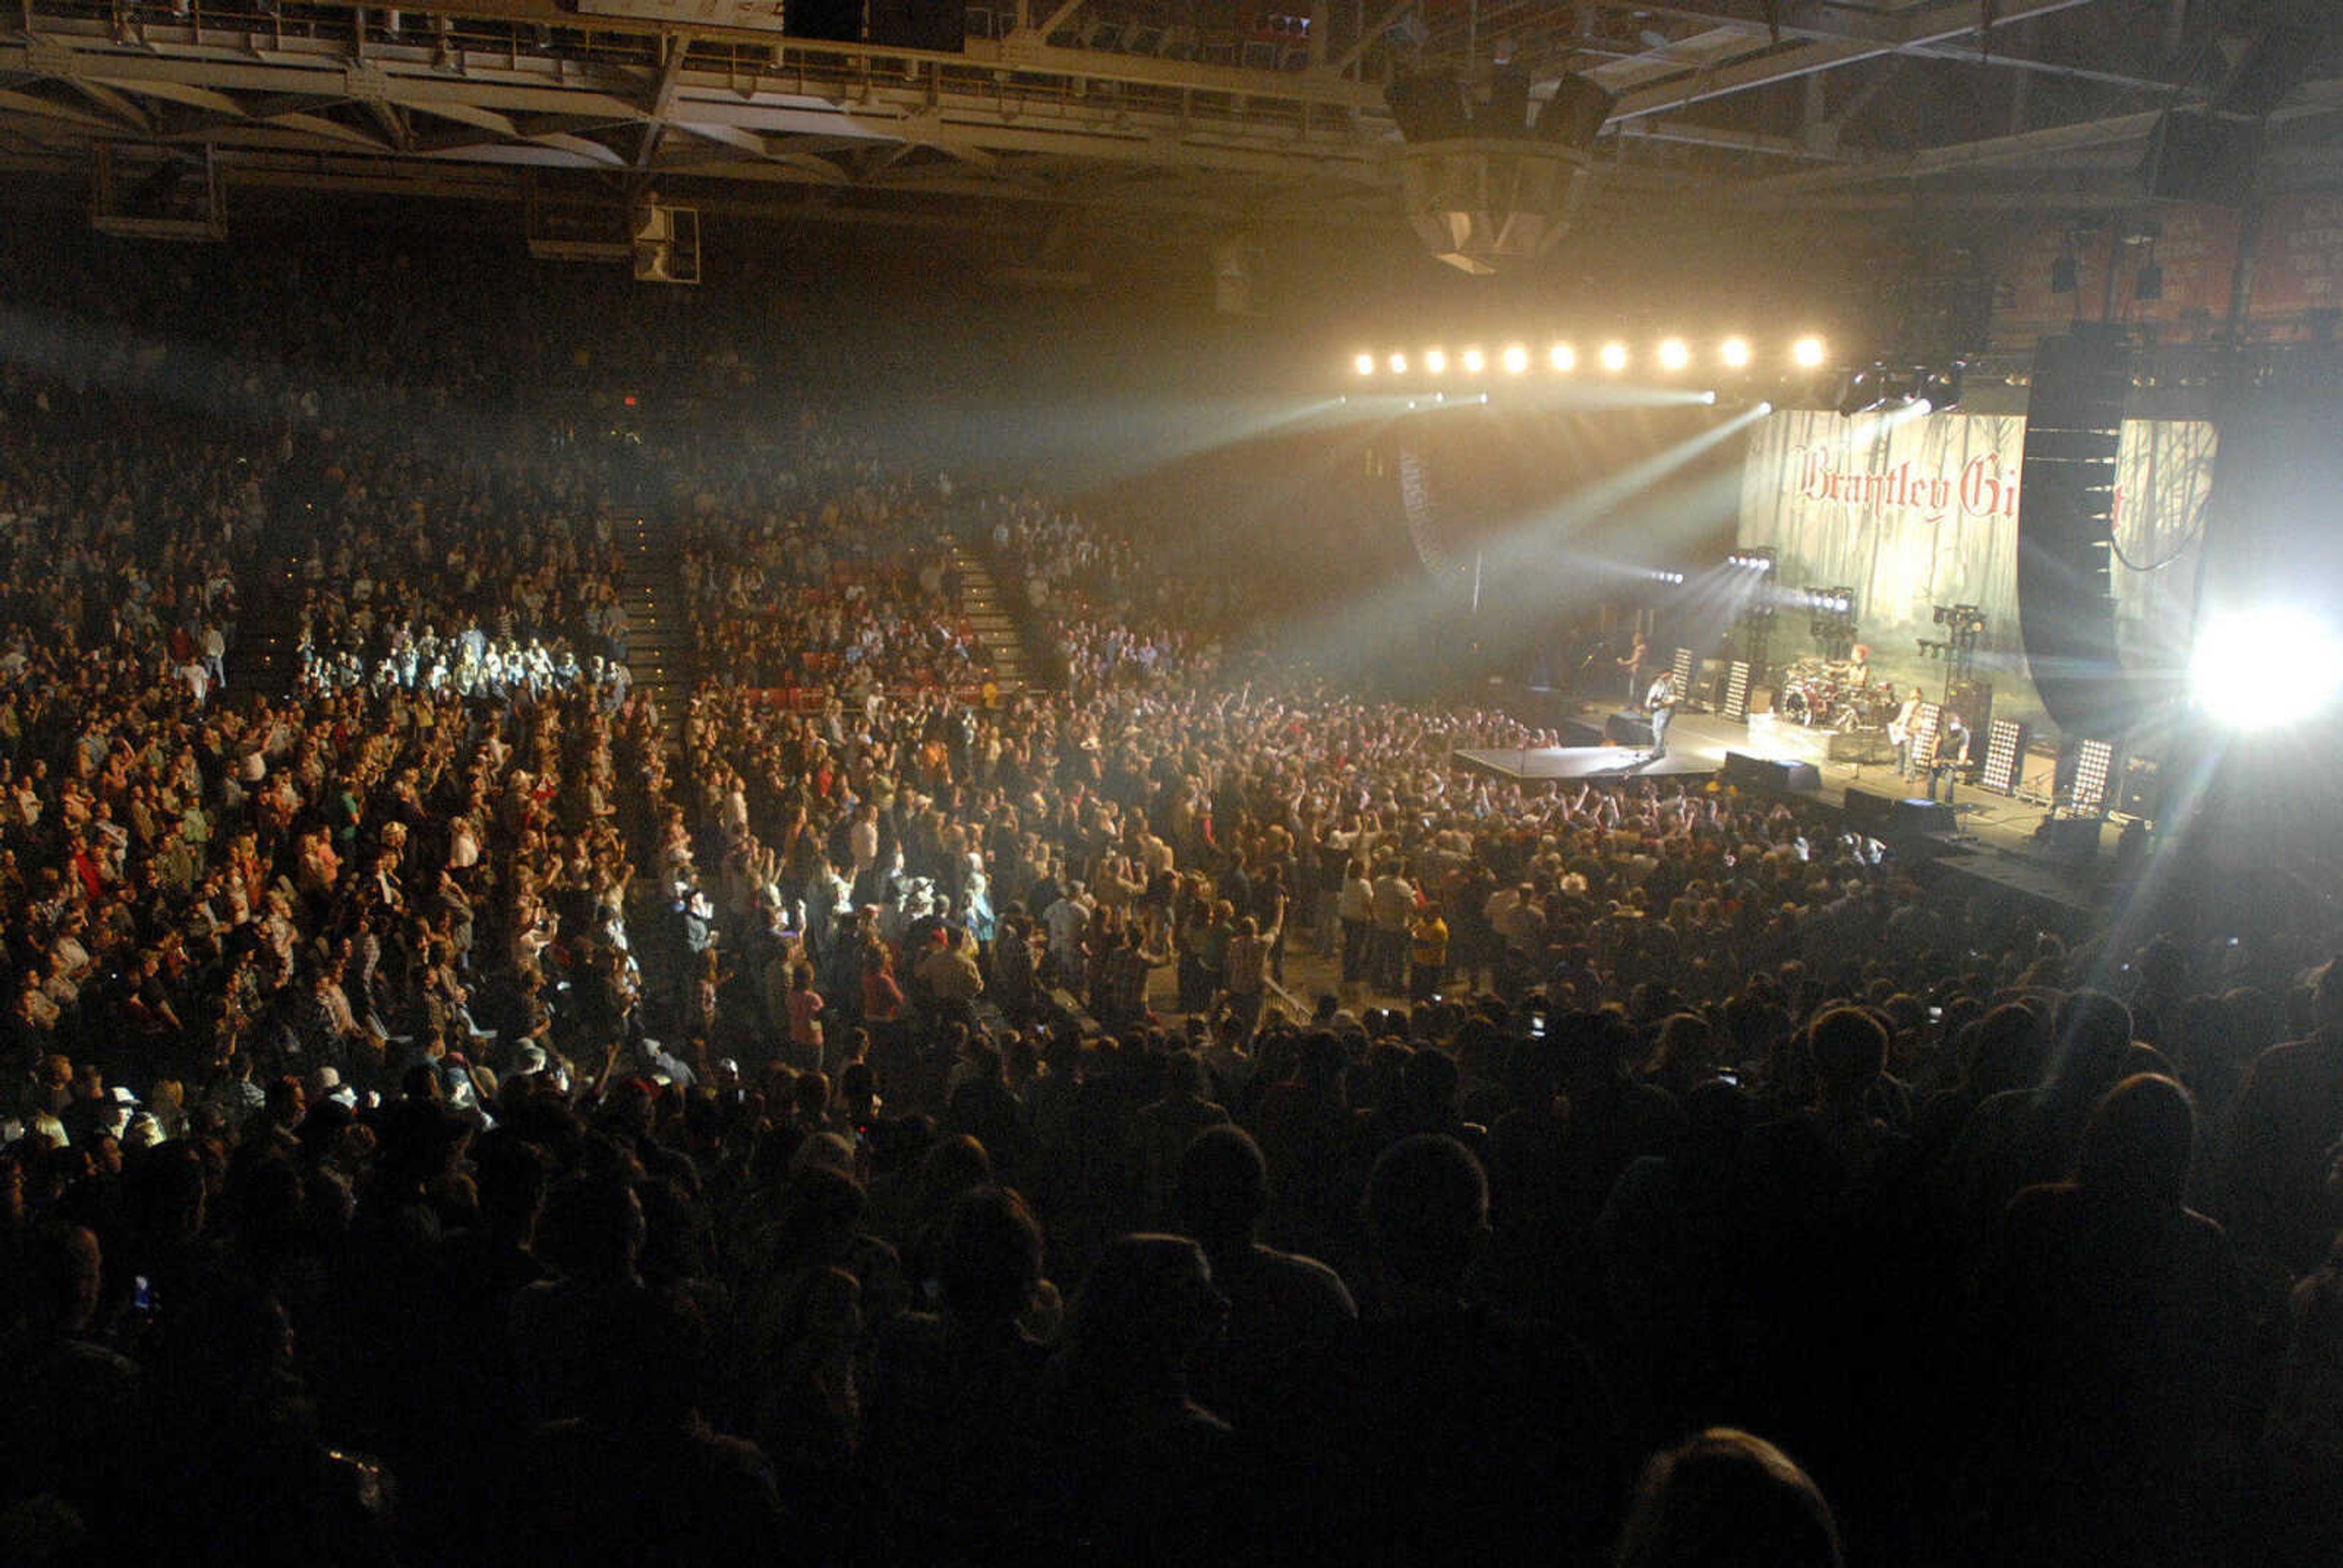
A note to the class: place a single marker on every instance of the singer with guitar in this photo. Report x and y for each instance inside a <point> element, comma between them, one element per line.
<point>1660,702</point>
<point>1903,729</point>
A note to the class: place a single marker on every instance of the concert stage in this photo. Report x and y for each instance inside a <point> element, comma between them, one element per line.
<point>1541,764</point>
<point>1993,837</point>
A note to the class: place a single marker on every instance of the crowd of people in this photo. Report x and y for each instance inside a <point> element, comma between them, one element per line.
<point>1102,613</point>
<point>1166,1115</point>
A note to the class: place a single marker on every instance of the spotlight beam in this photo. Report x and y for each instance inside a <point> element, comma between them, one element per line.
<point>1534,539</point>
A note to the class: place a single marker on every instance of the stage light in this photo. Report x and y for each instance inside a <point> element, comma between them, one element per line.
<point>2237,655</point>
<point>2005,756</point>
<point>1861,391</point>
<point>1399,363</point>
<point>1562,358</point>
<point>1808,352</point>
<point>1709,397</point>
<point>1436,362</point>
<point>1474,362</point>
<point>1764,410</point>
<point>2093,761</point>
<point>1734,352</point>
<point>1674,355</point>
<point>1517,360</point>
<point>1615,357</point>
<point>1366,363</point>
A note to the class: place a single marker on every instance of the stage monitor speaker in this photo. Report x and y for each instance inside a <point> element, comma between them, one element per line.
<point>1628,728</point>
<point>1577,732</point>
<point>2077,838</point>
<point>1911,819</point>
<point>1783,777</point>
<point>1867,811</point>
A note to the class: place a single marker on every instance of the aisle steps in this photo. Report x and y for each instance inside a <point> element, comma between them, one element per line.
<point>980,601</point>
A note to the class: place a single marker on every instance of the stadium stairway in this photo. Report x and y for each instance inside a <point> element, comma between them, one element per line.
<point>658,630</point>
<point>263,660</point>
<point>980,601</point>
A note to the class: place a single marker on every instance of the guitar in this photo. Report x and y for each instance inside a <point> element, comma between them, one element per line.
<point>1900,729</point>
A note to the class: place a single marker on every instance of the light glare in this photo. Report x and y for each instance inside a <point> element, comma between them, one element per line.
<point>1474,362</point>
<point>1734,352</point>
<point>1366,363</point>
<point>1674,355</point>
<point>1807,353</point>
<point>1562,358</point>
<point>1435,361</point>
<point>1517,360</point>
<point>1615,357</point>
<point>2235,655</point>
<point>1399,363</point>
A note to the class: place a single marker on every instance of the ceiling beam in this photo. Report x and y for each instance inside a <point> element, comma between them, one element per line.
<point>35,105</point>
<point>1793,19</point>
<point>1817,20</point>
<point>119,104</point>
<point>1057,18</point>
<point>2026,145</point>
<point>1769,66</point>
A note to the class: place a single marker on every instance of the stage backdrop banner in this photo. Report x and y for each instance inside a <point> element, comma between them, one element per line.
<point>1913,513</point>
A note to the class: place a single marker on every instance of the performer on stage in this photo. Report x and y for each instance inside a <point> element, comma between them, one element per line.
<point>1634,665</point>
<point>1901,732</point>
<point>1661,703</point>
<point>1952,754</point>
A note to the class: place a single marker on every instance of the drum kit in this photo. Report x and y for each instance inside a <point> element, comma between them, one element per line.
<point>1824,695</point>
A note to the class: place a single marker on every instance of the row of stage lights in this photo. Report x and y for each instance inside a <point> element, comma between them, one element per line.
<point>1820,600</point>
<point>1672,355</point>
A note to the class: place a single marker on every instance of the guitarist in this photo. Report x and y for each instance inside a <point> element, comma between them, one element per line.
<point>1660,702</point>
<point>1901,732</point>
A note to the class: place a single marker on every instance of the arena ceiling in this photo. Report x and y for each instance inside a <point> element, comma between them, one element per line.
<point>1195,109</point>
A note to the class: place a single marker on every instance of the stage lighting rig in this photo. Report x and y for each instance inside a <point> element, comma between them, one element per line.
<point>1759,560</point>
<point>2093,764</point>
<point>2004,755</point>
<point>1965,619</point>
<point>1833,624</point>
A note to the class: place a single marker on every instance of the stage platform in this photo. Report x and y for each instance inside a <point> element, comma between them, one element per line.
<point>1994,840</point>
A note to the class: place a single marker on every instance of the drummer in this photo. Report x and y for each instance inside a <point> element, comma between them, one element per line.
<point>1858,670</point>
